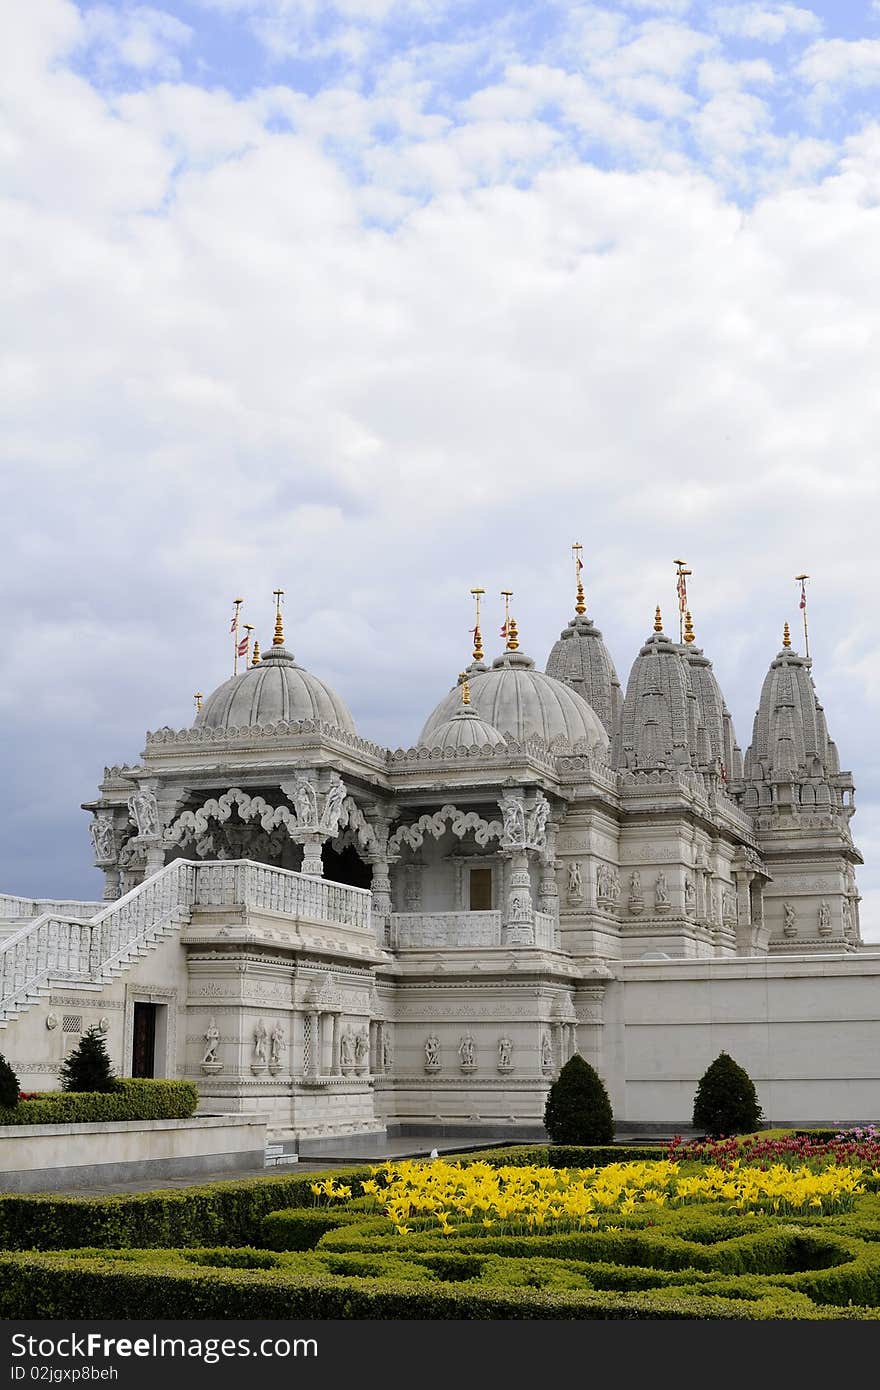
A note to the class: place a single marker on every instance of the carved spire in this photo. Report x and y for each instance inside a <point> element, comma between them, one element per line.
<point>580,606</point>
<point>278,639</point>
<point>477,635</point>
<point>255,658</point>
<point>658,621</point>
<point>786,636</point>
<point>688,627</point>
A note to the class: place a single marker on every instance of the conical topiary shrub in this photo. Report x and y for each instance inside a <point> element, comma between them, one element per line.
<point>88,1067</point>
<point>578,1110</point>
<point>726,1101</point>
<point>9,1084</point>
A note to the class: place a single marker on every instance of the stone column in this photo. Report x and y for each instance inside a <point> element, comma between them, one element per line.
<point>155,859</point>
<point>381,889</point>
<point>743,878</point>
<point>111,883</point>
<point>549,892</point>
<point>313,864</point>
<point>518,927</point>
<point>314,1067</point>
<point>413,888</point>
<point>335,1062</point>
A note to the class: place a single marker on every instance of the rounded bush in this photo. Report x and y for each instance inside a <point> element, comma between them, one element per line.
<point>726,1101</point>
<point>578,1110</point>
<point>9,1083</point>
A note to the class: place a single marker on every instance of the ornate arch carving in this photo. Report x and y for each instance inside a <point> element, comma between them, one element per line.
<point>436,824</point>
<point>220,809</point>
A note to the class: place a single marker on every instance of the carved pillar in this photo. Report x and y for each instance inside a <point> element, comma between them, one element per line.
<point>111,884</point>
<point>155,859</point>
<point>549,892</point>
<point>312,1061</point>
<point>313,864</point>
<point>519,924</point>
<point>335,1057</point>
<point>413,887</point>
<point>743,879</point>
<point>381,880</point>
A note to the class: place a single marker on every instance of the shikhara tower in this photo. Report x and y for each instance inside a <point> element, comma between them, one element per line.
<point>353,939</point>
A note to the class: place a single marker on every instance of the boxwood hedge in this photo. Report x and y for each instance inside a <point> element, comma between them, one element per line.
<point>135,1098</point>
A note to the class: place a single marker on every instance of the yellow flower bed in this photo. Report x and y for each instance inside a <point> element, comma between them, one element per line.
<point>416,1195</point>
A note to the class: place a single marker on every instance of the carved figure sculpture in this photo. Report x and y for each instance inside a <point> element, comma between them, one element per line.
<point>101,832</point>
<point>346,1048</point>
<point>690,894</point>
<point>212,1039</point>
<point>467,1052</point>
<point>387,1054</point>
<point>305,803</point>
<point>277,1041</point>
<point>361,1046</point>
<point>144,812</point>
<point>847,917</point>
<point>514,821</point>
<point>575,881</point>
<point>824,919</point>
<point>546,1052</point>
<point>789,926</point>
<point>538,821</point>
<point>505,1053</point>
<point>661,892</point>
<point>432,1051</point>
<point>261,1040</point>
<point>333,808</point>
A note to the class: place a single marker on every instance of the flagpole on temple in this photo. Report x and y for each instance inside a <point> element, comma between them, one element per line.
<point>477,635</point>
<point>237,602</point>
<point>507,595</point>
<point>681,589</point>
<point>248,629</point>
<point>580,606</point>
<point>802,580</point>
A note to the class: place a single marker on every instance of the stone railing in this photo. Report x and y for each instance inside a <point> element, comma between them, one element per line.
<point>418,929</point>
<point>60,946</point>
<point>17,909</point>
<point>546,934</point>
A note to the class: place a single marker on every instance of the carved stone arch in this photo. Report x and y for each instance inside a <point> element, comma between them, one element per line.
<point>220,809</point>
<point>460,822</point>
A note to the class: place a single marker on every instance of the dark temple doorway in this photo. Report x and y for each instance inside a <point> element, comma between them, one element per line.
<point>143,1051</point>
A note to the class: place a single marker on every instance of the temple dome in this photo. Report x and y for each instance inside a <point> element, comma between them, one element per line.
<point>582,661</point>
<point>466,730</point>
<point>661,724</point>
<point>275,689</point>
<point>516,699</point>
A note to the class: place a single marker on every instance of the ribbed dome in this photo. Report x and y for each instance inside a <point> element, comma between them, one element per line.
<point>790,737</point>
<point>581,660</point>
<point>714,714</point>
<point>516,699</point>
<point>661,725</point>
<point>466,730</point>
<point>275,689</point>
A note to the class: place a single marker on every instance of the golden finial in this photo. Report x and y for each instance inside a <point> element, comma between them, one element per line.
<point>658,621</point>
<point>198,699</point>
<point>580,606</point>
<point>255,658</point>
<point>278,639</point>
<point>465,688</point>
<point>512,636</point>
<point>477,635</point>
<point>688,627</point>
<point>786,636</point>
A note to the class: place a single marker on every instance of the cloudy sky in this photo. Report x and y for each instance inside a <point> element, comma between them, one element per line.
<point>377,300</point>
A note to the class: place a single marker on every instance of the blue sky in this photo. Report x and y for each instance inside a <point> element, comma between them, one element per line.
<point>378,301</point>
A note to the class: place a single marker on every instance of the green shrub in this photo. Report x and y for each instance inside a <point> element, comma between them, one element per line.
<point>578,1110</point>
<point>9,1085</point>
<point>133,1098</point>
<point>726,1102</point>
<point>88,1068</point>
<point>300,1228</point>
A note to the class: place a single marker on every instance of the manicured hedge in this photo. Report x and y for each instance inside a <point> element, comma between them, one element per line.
<point>223,1213</point>
<point>135,1099</point>
<point>561,1155</point>
<point>93,1285</point>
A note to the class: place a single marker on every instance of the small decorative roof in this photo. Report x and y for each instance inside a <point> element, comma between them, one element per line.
<point>581,661</point>
<point>790,736</point>
<point>661,724</point>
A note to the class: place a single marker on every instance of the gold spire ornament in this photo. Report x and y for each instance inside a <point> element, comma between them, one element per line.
<point>465,689</point>
<point>512,636</point>
<point>802,580</point>
<point>688,628</point>
<point>255,658</point>
<point>278,639</point>
<point>786,637</point>
<point>477,635</point>
<point>658,621</point>
<point>198,699</point>
<point>580,606</point>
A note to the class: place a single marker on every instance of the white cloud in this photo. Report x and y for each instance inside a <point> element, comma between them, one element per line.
<point>135,36</point>
<point>835,62</point>
<point>766,23</point>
